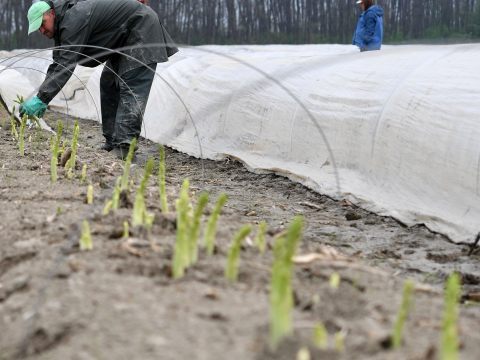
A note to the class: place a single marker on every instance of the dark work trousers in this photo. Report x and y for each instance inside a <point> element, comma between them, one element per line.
<point>123,103</point>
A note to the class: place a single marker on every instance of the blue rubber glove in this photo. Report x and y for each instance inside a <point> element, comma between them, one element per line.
<point>33,107</point>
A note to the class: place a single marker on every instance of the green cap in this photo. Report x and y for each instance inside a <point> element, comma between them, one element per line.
<point>35,15</point>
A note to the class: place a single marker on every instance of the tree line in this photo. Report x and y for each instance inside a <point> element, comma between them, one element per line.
<point>278,21</point>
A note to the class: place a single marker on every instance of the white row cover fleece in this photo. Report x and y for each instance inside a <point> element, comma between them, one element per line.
<point>395,131</point>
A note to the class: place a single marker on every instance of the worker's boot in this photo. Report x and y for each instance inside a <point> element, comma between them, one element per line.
<point>121,151</point>
<point>107,146</point>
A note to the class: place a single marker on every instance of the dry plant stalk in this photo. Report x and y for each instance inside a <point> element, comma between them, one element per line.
<point>231,270</point>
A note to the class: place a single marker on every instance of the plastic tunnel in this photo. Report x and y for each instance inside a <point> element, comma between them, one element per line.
<point>396,131</point>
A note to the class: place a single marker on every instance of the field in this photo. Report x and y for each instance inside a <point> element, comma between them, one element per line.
<point>120,301</point>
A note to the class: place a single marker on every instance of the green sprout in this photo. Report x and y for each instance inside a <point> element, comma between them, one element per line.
<point>70,166</point>
<point>162,180</point>
<point>281,289</point>
<point>181,257</point>
<point>450,341</point>
<point>320,336</point>
<point>260,238</point>
<point>21,139</point>
<point>303,354</point>
<point>335,280</point>
<point>116,195</point>
<point>54,147</point>
<point>231,270</point>
<point>90,194</point>
<point>194,229</point>
<point>149,219</point>
<point>13,128</point>
<point>19,100</point>
<point>139,214</point>
<point>408,289</point>
<point>127,165</point>
<point>126,231</point>
<point>86,238</point>
<point>340,341</point>
<point>83,178</point>
<point>107,208</point>
<point>212,224</point>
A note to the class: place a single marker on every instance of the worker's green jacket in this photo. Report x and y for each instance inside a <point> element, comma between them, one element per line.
<point>111,24</point>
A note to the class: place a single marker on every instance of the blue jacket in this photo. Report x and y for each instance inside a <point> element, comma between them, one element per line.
<point>369,32</point>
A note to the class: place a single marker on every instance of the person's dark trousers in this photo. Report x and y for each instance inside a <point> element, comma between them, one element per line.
<point>123,103</point>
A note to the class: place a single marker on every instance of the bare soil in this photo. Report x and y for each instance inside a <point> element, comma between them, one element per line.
<point>119,301</point>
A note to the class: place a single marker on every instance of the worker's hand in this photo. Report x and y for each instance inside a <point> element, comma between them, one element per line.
<point>33,107</point>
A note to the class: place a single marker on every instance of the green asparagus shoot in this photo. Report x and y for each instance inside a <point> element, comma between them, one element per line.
<point>320,336</point>
<point>13,128</point>
<point>181,253</point>
<point>116,195</point>
<point>21,138</point>
<point>149,219</point>
<point>450,341</point>
<point>335,280</point>
<point>340,341</point>
<point>260,238</point>
<point>397,337</point>
<point>194,229</point>
<point>127,165</point>
<point>281,288</point>
<point>107,208</point>
<point>304,354</point>
<point>126,231</point>
<point>86,238</point>
<point>70,166</point>
<point>90,194</point>
<point>55,145</point>
<point>231,270</point>
<point>212,224</point>
<point>139,214</point>
<point>162,181</point>
<point>19,100</point>
<point>83,178</point>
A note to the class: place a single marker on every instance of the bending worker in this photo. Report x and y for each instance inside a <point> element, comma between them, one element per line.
<point>369,32</point>
<point>109,24</point>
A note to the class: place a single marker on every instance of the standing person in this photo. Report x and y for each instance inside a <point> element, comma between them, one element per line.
<point>369,31</point>
<point>109,24</point>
